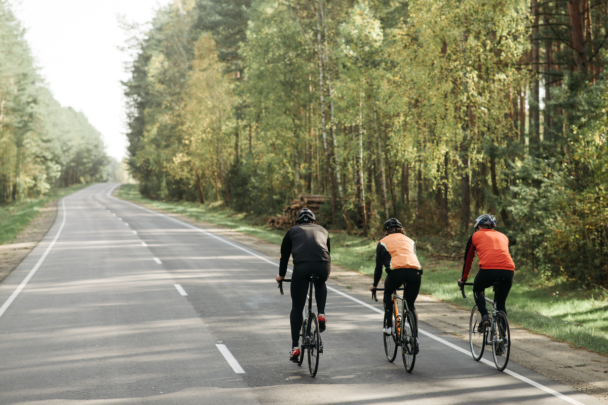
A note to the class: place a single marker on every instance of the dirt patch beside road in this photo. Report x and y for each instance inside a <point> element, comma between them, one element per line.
<point>13,253</point>
<point>578,368</point>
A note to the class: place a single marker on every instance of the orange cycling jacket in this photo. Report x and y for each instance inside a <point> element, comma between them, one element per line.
<point>492,247</point>
<point>396,251</point>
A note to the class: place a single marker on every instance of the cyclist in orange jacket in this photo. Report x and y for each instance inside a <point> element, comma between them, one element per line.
<point>495,264</point>
<point>397,254</point>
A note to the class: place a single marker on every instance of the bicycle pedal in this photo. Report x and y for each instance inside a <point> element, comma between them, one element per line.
<point>320,347</point>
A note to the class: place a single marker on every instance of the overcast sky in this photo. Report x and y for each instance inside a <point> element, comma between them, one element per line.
<point>75,43</point>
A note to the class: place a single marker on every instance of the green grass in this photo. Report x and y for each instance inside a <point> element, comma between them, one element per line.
<point>16,216</point>
<point>554,309</point>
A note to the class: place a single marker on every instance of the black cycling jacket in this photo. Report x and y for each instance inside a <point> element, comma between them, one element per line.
<point>307,243</point>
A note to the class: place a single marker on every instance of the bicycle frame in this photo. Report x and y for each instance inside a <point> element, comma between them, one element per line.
<point>492,338</point>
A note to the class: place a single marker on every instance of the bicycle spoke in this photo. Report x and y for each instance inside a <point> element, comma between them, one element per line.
<point>409,342</point>
<point>501,341</point>
<point>476,338</point>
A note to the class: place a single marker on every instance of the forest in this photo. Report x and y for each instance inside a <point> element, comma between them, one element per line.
<point>430,111</point>
<point>42,144</point>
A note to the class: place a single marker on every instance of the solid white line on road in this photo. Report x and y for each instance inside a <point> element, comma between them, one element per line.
<point>134,232</point>
<point>445,342</point>
<point>181,290</point>
<point>15,293</point>
<point>143,243</point>
<point>230,359</point>
<point>157,260</point>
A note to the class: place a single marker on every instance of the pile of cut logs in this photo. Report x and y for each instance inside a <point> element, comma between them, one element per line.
<point>311,201</point>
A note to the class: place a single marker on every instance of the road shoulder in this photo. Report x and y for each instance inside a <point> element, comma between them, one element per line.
<point>13,253</point>
<point>581,369</point>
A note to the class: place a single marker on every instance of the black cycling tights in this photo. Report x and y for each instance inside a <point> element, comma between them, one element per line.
<point>395,279</point>
<point>485,279</point>
<point>299,288</point>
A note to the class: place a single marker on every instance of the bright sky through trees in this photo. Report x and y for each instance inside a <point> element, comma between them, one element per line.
<point>75,43</point>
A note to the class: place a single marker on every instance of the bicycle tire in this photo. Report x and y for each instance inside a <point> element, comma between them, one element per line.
<point>477,340</point>
<point>501,343</point>
<point>313,346</point>
<point>302,343</point>
<point>409,338</point>
<point>391,341</point>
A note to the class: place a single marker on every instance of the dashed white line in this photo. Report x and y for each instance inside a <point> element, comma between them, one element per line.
<point>509,372</point>
<point>230,359</point>
<point>134,232</point>
<point>181,290</point>
<point>142,242</point>
<point>157,260</point>
<point>126,224</point>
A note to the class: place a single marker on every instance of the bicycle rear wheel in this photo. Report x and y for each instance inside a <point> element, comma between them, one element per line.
<point>302,343</point>
<point>501,343</point>
<point>390,341</point>
<point>409,340</point>
<point>477,339</point>
<point>313,346</point>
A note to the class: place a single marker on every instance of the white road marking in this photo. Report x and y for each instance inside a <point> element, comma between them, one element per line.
<point>134,232</point>
<point>143,243</point>
<point>157,260</point>
<point>230,359</point>
<point>181,290</point>
<point>119,218</point>
<point>126,224</point>
<point>15,293</point>
<point>438,339</point>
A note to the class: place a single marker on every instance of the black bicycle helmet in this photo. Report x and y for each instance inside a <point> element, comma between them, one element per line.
<point>392,223</point>
<point>485,219</point>
<point>305,216</point>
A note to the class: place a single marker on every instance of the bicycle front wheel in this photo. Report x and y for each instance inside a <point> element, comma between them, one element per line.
<point>302,343</point>
<point>409,341</point>
<point>313,346</point>
<point>390,341</point>
<point>501,343</point>
<point>477,339</point>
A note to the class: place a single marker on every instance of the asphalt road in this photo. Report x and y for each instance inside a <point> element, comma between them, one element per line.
<point>121,305</point>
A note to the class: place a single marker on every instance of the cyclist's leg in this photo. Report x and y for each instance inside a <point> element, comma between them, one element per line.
<point>482,281</point>
<point>322,269</point>
<point>503,288</point>
<point>393,280</point>
<point>299,288</point>
<point>412,288</point>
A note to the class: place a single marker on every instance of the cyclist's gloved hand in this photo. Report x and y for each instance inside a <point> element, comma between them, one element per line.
<point>372,287</point>
<point>279,279</point>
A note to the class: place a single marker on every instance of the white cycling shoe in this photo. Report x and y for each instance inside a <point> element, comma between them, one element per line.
<point>388,331</point>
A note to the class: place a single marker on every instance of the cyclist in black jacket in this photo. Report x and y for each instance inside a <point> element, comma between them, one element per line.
<point>309,245</point>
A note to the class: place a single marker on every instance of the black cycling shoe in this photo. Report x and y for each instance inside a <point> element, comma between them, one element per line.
<point>416,347</point>
<point>485,322</point>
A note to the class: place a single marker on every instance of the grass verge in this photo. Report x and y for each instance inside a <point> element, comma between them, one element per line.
<point>15,217</point>
<point>554,309</point>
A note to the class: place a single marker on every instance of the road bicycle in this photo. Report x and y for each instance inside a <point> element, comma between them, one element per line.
<point>496,335</point>
<point>310,336</point>
<point>404,333</point>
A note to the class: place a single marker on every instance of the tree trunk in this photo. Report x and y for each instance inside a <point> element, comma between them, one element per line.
<point>332,123</point>
<point>443,190</point>
<point>578,37</point>
<point>535,107</point>
<point>381,160</point>
<point>323,126</point>
<point>495,191</point>
<point>465,199</point>
<point>522,113</point>
<point>219,154</point>
<point>362,194</point>
<point>405,183</point>
<point>295,148</point>
<point>199,186</point>
<point>548,63</point>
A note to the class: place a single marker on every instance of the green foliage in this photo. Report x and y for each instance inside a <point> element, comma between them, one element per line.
<point>41,143</point>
